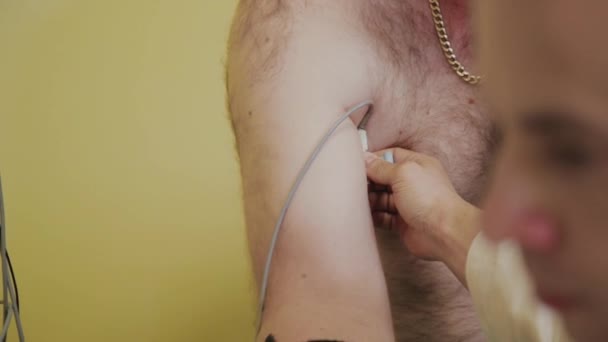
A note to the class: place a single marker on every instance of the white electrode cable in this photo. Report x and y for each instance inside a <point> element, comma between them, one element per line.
<point>303,171</point>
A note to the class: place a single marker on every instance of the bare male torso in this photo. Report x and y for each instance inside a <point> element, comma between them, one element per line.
<point>438,114</point>
<point>420,104</point>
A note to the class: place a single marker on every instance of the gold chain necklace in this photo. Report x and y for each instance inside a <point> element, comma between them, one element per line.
<point>448,52</point>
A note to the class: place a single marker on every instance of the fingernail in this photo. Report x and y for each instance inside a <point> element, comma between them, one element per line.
<point>370,157</point>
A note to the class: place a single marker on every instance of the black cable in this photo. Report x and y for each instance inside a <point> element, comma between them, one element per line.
<point>10,266</point>
<point>16,304</point>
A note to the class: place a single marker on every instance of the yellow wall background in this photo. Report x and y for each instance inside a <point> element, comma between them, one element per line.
<point>123,204</point>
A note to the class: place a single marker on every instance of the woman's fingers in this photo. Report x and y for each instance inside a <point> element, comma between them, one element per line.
<point>388,221</point>
<point>384,172</point>
<point>373,187</point>
<point>378,170</point>
<point>401,155</point>
<point>384,220</point>
<point>382,201</point>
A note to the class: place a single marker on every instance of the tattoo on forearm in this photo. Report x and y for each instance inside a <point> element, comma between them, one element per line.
<point>271,338</point>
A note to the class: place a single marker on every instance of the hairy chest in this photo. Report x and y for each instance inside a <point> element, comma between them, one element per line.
<point>420,102</point>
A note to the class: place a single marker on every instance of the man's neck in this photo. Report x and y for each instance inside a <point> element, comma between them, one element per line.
<point>457,20</point>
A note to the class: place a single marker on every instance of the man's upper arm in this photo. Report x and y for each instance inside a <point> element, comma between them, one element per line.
<point>294,68</point>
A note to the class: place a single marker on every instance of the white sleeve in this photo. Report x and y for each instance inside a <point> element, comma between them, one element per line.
<point>503,296</point>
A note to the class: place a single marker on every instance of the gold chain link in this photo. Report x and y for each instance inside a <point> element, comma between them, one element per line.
<point>444,41</point>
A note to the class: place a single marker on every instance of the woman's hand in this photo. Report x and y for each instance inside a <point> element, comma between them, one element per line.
<point>415,197</point>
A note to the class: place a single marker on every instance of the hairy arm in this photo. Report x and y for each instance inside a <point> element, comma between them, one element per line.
<point>294,67</point>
